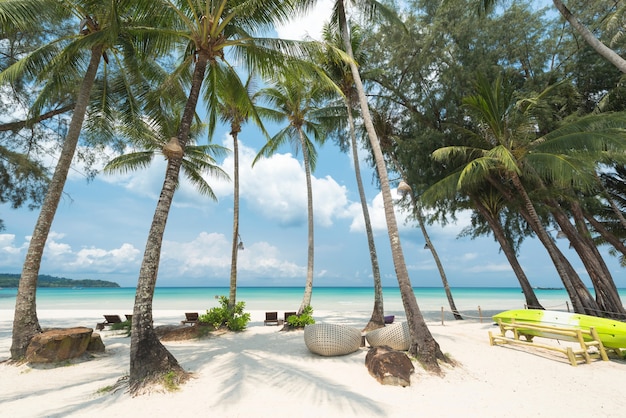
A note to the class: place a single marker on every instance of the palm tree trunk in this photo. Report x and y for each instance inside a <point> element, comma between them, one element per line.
<point>529,294</point>
<point>442,272</point>
<point>607,295</point>
<point>578,293</point>
<point>25,322</point>
<point>308,287</point>
<point>417,210</point>
<point>377,320</point>
<point>422,340</point>
<point>606,234</point>
<point>149,359</point>
<point>232,297</point>
<point>589,37</point>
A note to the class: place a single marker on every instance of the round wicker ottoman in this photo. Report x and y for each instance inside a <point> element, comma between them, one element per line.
<point>395,336</point>
<point>332,339</point>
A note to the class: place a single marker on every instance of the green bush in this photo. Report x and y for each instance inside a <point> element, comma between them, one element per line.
<point>305,318</point>
<point>234,319</point>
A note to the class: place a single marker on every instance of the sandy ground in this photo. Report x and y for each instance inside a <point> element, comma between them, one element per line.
<point>263,372</point>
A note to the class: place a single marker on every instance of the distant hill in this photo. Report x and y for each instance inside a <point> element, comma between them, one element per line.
<point>12,280</point>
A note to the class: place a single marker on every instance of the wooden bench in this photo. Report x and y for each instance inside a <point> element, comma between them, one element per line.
<point>527,330</point>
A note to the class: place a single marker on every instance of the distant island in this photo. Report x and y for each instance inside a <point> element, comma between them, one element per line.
<point>12,280</point>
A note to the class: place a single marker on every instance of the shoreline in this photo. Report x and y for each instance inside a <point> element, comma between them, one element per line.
<point>262,372</point>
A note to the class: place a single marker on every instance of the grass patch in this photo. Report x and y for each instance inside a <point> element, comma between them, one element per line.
<point>105,390</point>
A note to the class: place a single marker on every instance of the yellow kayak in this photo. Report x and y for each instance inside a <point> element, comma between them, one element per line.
<point>612,333</point>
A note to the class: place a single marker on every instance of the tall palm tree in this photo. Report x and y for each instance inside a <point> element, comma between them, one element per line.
<point>340,73</point>
<point>67,61</point>
<point>236,107</point>
<point>385,130</point>
<point>298,99</point>
<point>422,340</point>
<point>209,32</point>
<point>513,156</point>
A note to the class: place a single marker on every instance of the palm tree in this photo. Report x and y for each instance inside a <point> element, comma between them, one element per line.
<point>235,107</point>
<point>340,73</point>
<point>513,156</point>
<point>422,340</point>
<point>63,62</point>
<point>208,32</point>
<point>299,100</point>
<point>389,142</point>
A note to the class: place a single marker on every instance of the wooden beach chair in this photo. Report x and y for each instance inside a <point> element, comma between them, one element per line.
<point>288,314</point>
<point>108,321</point>
<point>271,318</point>
<point>190,318</point>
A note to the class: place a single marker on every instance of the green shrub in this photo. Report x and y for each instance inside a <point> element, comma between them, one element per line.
<point>234,319</point>
<point>305,318</point>
<point>121,325</point>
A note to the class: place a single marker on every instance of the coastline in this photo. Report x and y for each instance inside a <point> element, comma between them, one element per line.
<point>263,372</point>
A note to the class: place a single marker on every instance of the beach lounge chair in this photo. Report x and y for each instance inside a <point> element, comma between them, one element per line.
<point>271,318</point>
<point>190,318</point>
<point>108,320</point>
<point>288,314</point>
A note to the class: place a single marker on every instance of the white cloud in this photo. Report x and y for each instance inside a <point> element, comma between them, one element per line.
<point>377,214</point>
<point>309,25</point>
<point>209,255</point>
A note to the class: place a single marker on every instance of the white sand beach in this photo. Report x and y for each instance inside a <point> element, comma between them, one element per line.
<point>263,372</point>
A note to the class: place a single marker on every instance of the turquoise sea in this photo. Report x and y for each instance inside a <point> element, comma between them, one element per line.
<point>469,300</point>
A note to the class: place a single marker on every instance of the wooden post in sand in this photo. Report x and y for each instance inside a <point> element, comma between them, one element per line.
<point>442,315</point>
<point>480,314</point>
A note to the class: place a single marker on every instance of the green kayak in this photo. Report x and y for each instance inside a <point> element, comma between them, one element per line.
<point>612,333</point>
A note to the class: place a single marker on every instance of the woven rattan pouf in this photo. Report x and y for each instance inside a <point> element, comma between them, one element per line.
<point>395,336</point>
<point>332,339</point>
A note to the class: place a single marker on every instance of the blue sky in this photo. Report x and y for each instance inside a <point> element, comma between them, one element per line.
<point>101,227</point>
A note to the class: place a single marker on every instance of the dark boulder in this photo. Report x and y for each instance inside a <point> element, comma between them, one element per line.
<point>388,366</point>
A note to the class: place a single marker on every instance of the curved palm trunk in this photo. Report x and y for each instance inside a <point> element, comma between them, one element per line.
<point>529,294</point>
<point>25,321</point>
<point>377,320</point>
<point>149,359</point>
<point>308,287</point>
<point>607,297</point>
<point>608,236</point>
<point>232,297</point>
<point>420,220</point>
<point>422,340</point>
<point>442,273</point>
<point>589,37</point>
<point>578,292</point>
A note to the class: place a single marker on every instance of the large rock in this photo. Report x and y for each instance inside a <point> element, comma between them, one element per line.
<point>58,345</point>
<point>95,344</point>
<point>388,366</point>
